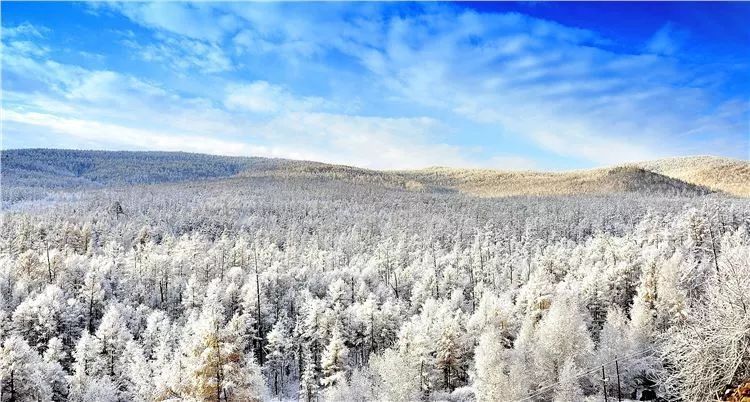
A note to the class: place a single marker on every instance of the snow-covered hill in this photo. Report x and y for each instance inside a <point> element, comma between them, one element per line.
<point>170,276</point>
<point>30,173</point>
<point>724,174</point>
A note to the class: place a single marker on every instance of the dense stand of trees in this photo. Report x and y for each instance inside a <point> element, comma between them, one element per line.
<point>46,174</point>
<point>259,288</point>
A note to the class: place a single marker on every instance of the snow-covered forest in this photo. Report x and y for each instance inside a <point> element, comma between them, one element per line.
<point>319,289</point>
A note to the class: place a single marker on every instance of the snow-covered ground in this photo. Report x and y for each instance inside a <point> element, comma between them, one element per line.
<point>342,290</point>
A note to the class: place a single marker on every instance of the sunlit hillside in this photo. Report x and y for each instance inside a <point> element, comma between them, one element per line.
<point>26,172</point>
<point>729,175</point>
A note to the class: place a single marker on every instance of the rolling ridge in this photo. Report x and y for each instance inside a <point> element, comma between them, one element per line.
<point>25,169</point>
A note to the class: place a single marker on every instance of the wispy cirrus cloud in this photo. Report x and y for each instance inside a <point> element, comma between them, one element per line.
<point>667,40</point>
<point>116,135</point>
<point>550,84</point>
<point>24,30</point>
<point>561,87</point>
<point>381,85</point>
<point>111,110</point>
<point>263,97</point>
<point>184,54</point>
<point>201,21</point>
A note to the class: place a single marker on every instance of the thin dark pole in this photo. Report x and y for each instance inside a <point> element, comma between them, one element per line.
<point>604,385</point>
<point>619,394</point>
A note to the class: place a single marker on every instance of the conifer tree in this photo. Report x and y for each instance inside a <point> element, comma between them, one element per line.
<point>334,360</point>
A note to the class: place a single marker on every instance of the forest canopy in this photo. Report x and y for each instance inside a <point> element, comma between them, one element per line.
<point>313,287</point>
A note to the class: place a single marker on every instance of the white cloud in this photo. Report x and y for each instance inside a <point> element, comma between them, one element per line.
<point>195,20</point>
<point>183,54</point>
<point>558,87</point>
<point>262,97</point>
<point>51,74</point>
<point>374,142</point>
<point>109,96</point>
<point>109,86</point>
<point>666,41</point>
<point>110,110</point>
<point>354,140</point>
<point>492,68</point>
<point>26,47</point>
<point>187,35</point>
<point>112,135</point>
<point>24,30</point>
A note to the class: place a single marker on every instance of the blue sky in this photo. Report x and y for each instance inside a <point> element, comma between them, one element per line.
<point>382,85</point>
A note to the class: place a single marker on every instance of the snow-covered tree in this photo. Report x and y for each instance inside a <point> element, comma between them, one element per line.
<point>391,384</point>
<point>308,379</point>
<point>39,318</point>
<point>279,352</point>
<point>562,336</point>
<point>711,350</point>
<point>500,374</point>
<point>568,386</point>
<point>340,285</point>
<point>23,375</point>
<point>334,360</point>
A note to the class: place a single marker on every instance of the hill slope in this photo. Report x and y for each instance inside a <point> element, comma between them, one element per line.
<point>728,175</point>
<point>61,168</point>
<point>620,179</point>
<point>28,173</point>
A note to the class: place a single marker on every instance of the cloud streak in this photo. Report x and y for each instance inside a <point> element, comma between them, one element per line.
<point>114,136</point>
<point>110,110</point>
<point>377,85</point>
